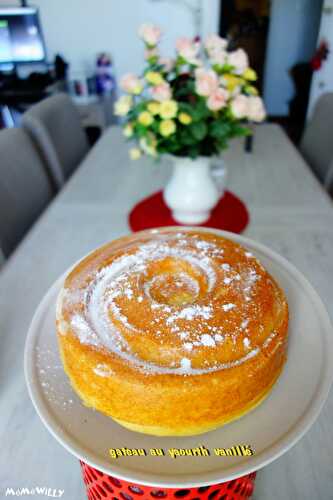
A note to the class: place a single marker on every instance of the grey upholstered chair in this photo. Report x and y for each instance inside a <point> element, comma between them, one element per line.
<point>2,258</point>
<point>329,179</point>
<point>55,126</point>
<point>317,142</point>
<point>25,189</point>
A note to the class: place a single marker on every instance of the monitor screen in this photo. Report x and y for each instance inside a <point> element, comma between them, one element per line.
<point>20,36</point>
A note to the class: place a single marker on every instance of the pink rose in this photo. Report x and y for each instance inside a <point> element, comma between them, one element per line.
<point>240,106</point>
<point>150,34</point>
<point>131,84</point>
<point>217,100</point>
<point>161,92</point>
<point>188,50</point>
<point>256,109</point>
<point>206,82</point>
<point>219,57</point>
<point>239,60</point>
<point>216,49</point>
<point>215,43</point>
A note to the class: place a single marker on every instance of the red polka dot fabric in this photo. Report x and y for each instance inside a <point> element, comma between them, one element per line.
<point>100,486</point>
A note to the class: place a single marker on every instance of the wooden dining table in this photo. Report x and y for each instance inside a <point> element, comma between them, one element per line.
<point>289,212</point>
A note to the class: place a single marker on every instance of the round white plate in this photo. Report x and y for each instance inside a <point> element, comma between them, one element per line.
<point>271,429</point>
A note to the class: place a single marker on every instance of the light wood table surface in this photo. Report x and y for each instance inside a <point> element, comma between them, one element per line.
<point>289,212</point>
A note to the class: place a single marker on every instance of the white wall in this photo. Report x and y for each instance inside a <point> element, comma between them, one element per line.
<point>79,29</point>
<point>292,39</point>
<point>322,80</point>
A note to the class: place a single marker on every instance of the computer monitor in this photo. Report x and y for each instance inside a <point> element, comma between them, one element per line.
<point>21,39</point>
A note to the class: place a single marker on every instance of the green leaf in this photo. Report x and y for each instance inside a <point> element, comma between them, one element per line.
<point>136,110</point>
<point>185,137</point>
<point>155,126</point>
<point>227,68</point>
<point>218,69</point>
<point>193,152</point>
<point>140,130</point>
<point>185,107</point>
<point>168,145</point>
<point>238,130</point>
<point>198,130</point>
<point>219,129</point>
<point>200,110</point>
<point>222,144</point>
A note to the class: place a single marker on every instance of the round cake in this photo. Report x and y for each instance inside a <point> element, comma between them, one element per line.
<point>172,332</point>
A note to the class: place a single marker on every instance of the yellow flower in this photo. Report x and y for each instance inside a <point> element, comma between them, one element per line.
<point>154,107</point>
<point>185,118</point>
<point>250,74</point>
<point>154,78</point>
<point>249,89</point>
<point>137,89</point>
<point>145,118</point>
<point>135,153</point>
<point>128,130</point>
<point>168,109</point>
<point>231,82</point>
<point>123,105</point>
<point>167,127</point>
<point>149,146</point>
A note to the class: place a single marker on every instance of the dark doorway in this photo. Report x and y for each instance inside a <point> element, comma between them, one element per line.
<point>245,23</point>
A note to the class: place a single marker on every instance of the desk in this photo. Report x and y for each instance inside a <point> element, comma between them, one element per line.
<point>289,212</point>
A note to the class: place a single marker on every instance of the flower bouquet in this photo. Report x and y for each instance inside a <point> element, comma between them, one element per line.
<point>189,107</point>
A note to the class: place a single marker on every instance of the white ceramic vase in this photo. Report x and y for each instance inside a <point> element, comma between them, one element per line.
<point>191,192</point>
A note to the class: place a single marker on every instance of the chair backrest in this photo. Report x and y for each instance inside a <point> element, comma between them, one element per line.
<point>55,126</point>
<point>25,189</point>
<point>317,142</point>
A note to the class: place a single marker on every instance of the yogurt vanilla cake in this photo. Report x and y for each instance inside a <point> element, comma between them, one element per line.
<point>172,333</point>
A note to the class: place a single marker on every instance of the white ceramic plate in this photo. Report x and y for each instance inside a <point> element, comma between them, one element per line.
<point>271,429</point>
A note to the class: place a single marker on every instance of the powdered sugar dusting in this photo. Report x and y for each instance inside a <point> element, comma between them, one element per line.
<point>228,307</point>
<point>207,340</point>
<point>83,331</point>
<point>190,313</point>
<point>246,342</point>
<point>103,370</point>
<point>269,339</point>
<point>185,365</point>
<point>202,267</point>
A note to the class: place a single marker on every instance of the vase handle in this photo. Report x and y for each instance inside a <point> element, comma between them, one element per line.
<point>219,174</point>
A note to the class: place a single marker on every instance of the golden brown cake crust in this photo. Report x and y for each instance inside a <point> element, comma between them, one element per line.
<point>172,333</point>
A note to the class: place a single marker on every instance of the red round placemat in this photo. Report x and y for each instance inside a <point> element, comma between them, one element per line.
<point>229,214</point>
